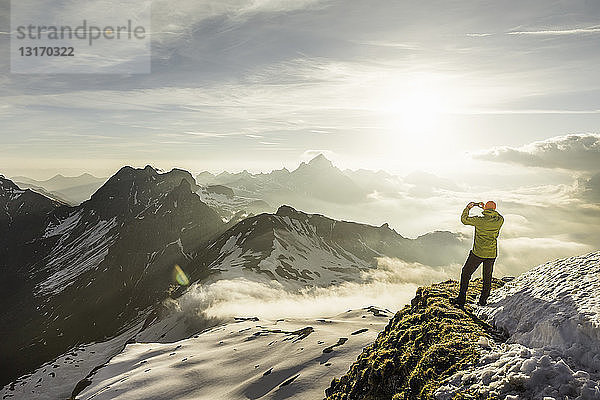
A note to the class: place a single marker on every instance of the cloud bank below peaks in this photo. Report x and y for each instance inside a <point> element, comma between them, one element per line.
<point>579,152</point>
<point>391,285</point>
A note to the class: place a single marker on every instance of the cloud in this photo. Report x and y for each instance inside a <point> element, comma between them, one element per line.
<point>391,285</point>
<point>181,16</point>
<point>590,188</point>
<point>424,184</point>
<point>573,152</point>
<point>392,44</point>
<point>518,226</point>
<point>542,32</point>
<point>476,111</point>
<point>558,32</point>
<point>517,255</point>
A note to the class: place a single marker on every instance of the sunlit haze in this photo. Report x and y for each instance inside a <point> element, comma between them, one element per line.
<point>400,86</point>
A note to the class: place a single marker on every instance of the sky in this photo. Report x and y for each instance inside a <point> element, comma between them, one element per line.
<point>499,98</point>
<point>396,85</point>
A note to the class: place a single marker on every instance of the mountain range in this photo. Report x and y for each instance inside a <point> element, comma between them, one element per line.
<point>71,190</point>
<point>299,249</point>
<point>315,186</point>
<point>311,183</point>
<point>100,271</point>
<point>79,274</point>
<point>102,296</point>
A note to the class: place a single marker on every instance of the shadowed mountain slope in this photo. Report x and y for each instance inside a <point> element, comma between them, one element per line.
<point>79,274</point>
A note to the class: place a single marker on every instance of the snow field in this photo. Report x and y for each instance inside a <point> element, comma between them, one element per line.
<point>248,359</point>
<point>551,315</point>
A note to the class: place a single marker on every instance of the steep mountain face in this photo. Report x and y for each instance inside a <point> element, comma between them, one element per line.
<point>24,216</point>
<point>22,212</point>
<point>300,249</point>
<point>94,269</point>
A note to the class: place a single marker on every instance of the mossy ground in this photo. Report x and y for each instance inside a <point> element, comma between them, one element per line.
<point>423,344</point>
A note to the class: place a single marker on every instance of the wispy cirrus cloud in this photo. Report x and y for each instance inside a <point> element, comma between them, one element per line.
<point>558,32</point>
<point>475,111</point>
<point>539,32</point>
<point>479,34</point>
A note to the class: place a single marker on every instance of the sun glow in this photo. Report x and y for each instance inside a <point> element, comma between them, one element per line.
<point>412,112</point>
<point>415,116</point>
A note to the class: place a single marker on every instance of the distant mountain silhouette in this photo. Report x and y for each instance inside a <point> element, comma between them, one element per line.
<point>318,179</point>
<point>72,190</point>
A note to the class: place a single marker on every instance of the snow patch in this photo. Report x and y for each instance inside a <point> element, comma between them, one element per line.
<point>555,304</point>
<point>57,378</point>
<point>63,226</point>
<point>552,316</point>
<point>513,371</point>
<point>250,359</point>
<point>71,259</point>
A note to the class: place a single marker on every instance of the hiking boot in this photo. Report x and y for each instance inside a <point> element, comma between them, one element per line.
<point>458,302</point>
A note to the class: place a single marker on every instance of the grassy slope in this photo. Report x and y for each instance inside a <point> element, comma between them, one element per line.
<point>424,343</point>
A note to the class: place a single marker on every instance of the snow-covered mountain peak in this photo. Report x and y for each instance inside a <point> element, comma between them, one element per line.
<point>297,249</point>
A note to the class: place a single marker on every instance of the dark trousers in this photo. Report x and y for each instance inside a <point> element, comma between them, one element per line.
<point>470,266</point>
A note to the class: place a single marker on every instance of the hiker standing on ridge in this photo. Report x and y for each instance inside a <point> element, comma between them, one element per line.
<point>485,249</point>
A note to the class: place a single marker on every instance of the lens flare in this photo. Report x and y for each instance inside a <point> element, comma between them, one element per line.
<point>179,276</point>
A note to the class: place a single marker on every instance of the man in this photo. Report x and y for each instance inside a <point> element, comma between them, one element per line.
<point>485,249</point>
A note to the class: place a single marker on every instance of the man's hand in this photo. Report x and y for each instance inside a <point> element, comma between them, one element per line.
<point>473,204</point>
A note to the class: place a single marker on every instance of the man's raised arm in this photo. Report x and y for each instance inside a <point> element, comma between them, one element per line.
<point>465,219</point>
